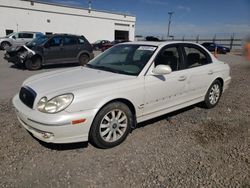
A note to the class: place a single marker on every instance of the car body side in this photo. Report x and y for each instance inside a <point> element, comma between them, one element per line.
<point>21,41</point>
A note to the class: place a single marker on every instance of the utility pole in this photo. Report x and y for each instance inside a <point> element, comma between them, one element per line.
<point>169,22</point>
<point>90,5</point>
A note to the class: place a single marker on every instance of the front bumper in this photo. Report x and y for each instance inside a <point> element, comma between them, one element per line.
<point>13,59</point>
<point>54,128</point>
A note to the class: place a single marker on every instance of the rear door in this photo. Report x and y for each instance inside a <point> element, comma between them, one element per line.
<point>199,71</point>
<point>70,48</point>
<point>23,38</point>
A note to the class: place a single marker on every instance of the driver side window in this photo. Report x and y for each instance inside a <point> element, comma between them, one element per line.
<point>55,41</point>
<point>169,56</point>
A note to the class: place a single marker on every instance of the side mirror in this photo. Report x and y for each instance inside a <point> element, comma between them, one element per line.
<point>14,37</point>
<point>162,69</point>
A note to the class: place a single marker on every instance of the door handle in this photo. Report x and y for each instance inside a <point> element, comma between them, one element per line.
<point>182,78</point>
<point>210,72</point>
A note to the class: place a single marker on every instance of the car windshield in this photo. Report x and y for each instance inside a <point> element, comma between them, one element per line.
<point>128,59</point>
<point>38,41</point>
<point>7,36</point>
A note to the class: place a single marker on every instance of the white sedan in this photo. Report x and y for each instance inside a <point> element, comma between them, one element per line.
<point>127,84</point>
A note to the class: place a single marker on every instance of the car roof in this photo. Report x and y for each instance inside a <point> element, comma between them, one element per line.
<point>66,34</point>
<point>160,43</point>
<point>29,32</point>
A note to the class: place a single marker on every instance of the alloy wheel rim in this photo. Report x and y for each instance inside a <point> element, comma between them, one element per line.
<point>113,125</point>
<point>5,45</point>
<point>214,94</point>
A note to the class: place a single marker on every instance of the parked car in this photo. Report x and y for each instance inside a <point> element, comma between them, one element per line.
<point>52,49</point>
<point>109,45</point>
<point>18,39</point>
<point>128,84</point>
<point>212,47</point>
<point>152,38</point>
<point>99,44</point>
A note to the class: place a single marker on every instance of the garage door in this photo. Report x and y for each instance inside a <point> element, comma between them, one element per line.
<point>121,35</point>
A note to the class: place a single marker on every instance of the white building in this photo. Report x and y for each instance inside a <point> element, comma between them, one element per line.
<point>30,15</point>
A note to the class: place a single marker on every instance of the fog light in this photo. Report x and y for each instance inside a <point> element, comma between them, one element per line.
<point>47,135</point>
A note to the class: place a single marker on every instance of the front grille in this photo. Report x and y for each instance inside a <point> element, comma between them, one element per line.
<point>27,96</point>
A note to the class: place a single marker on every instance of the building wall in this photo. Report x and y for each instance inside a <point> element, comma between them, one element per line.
<point>19,15</point>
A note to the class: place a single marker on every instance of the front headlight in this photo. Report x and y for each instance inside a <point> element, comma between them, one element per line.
<point>55,104</point>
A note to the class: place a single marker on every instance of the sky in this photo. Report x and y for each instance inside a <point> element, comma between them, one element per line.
<point>190,18</point>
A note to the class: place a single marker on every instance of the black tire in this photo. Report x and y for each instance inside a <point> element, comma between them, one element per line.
<point>208,102</point>
<point>100,141</point>
<point>83,59</point>
<point>5,45</point>
<point>34,63</point>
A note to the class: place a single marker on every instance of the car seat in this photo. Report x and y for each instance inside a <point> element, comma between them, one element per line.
<point>193,60</point>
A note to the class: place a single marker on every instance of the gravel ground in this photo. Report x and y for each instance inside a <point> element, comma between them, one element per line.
<point>194,148</point>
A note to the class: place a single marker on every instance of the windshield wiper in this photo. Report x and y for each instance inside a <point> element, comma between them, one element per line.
<point>104,68</point>
<point>108,69</point>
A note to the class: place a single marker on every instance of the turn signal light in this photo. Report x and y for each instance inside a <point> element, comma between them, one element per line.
<point>78,121</point>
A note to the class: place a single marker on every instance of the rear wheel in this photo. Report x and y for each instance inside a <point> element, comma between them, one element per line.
<point>5,45</point>
<point>34,63</point>
<point>83,59</point>
<point>111,125</point>
<point>213,94</point>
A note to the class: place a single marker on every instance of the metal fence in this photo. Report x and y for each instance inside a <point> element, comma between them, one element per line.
<point>231,42</point>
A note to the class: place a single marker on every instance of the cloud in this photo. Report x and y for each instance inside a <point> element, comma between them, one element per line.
<point>184,8</point>
<point>155,2</point>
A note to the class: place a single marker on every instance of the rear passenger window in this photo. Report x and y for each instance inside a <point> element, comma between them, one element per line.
<point>195,57</point>
<point>69,41</point>
<point>169,56</point>
<point>25,35</point>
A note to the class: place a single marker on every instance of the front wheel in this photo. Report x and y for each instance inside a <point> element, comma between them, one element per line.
<point>111,125</point>
<point>5,45</point>
<point>213,94</point>
<point>33,64</point>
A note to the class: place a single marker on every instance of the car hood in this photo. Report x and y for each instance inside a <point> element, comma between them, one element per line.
<point>73,79</point>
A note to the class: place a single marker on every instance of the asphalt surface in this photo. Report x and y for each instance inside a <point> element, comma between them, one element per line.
<point>194,147</point>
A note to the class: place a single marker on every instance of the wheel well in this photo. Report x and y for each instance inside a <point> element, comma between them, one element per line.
<point>84,53</point>
<point>36,56</point>
<point>221,81</point>
<point>125,101</point>
<point>6,42</point>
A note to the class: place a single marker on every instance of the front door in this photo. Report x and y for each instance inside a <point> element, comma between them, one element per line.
<point>165,91</point>
<point>53,50</point>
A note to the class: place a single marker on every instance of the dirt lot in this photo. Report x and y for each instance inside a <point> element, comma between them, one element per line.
<point>195,148</point>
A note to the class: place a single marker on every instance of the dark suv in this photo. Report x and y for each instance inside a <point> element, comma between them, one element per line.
<point>53,49</point>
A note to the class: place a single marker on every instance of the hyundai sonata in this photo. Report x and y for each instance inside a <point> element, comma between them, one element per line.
<point>127,84</point>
